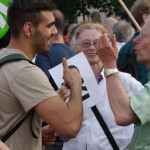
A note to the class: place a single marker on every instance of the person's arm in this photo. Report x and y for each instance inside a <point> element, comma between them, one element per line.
<point>119,101</point>
<point>3,146</point>
<point>64,118</point>
<point>118,98</point>
<point>48,134</point>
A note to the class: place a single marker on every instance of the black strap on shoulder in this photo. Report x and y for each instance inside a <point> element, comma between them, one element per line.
<point>51,80</point>
<point>13,57</point>
<point>4,60</point>
<point>105,128</point>
<point>6,137</point>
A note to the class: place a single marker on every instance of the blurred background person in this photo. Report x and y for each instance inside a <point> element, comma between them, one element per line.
<point>96,17</point>
<point>123,32</point>
<point>66,34</point>
<point>108,24</point>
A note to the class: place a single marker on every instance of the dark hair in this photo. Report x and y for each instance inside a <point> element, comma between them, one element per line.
<point>139,8</point>
<point>73,32</point>
<point>96,17</point>
<point>59,21</point>
<point>22,11</point>
<point>66,30</point>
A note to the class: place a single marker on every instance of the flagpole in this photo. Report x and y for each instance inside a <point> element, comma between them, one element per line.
<point>130,15</point>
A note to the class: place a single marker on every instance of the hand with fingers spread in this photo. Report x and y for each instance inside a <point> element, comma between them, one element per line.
<point>71,76</point>
<point>107,50</point>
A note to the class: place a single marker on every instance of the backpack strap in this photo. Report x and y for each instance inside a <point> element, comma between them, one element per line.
<point>8,135</point>
<point>13,57</point>
<point>8,59</point>
<point>105,128</point>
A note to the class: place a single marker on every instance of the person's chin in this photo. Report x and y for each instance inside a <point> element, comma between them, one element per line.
<point>139,59</point>
<point>93,62</point>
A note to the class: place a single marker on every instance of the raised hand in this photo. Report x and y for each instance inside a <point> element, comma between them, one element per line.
<point>70,76</point>
<point>107,50</point>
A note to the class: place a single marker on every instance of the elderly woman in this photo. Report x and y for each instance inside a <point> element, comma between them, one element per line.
<point>91,135</point>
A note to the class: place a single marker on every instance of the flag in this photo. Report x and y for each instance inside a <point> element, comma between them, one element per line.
<point>3,17</point>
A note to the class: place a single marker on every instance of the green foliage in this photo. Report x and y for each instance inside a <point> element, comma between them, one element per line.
<point>129,3</point>
<point>74,8</point>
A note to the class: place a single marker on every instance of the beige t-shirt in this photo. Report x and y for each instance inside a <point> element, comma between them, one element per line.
<point>22,86</point>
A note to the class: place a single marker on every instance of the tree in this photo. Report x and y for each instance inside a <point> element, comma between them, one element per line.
<point>128,4</point>
<point>74,8</point>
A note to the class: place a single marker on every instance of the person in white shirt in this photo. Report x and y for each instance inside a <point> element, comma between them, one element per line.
<point>91,136</point>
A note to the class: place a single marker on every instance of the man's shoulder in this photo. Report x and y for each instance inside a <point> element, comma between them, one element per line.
<point>124,55</point>
<point>17,66</point>
<point>126,47</point>
<point>7,51</point>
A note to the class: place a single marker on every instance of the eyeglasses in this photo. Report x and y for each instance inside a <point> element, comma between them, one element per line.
<point>144,35</point>
<point>88,43</point>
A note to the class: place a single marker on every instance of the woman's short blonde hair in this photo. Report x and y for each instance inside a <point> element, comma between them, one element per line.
<point>88,25</point>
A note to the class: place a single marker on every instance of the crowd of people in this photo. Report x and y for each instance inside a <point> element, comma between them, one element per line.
<point>29,94</point>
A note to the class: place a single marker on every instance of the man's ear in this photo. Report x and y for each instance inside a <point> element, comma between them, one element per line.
<point>28,29</point>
